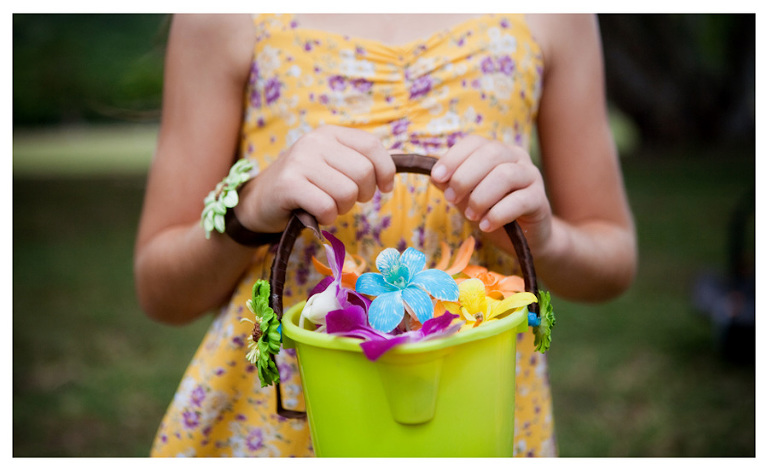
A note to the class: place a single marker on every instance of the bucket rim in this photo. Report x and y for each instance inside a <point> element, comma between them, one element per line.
<point>297,334</point>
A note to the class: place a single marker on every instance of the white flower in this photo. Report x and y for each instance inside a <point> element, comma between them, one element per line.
<point>501,86</point>
<point>448,123</point>
<point>358,105</point>
<point>501,44</point>
<point>268,60</point>
<point>320,304</point>
<point>352,67</point>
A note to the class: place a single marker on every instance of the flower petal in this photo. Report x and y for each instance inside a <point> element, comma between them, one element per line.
<point>335,253</point>
<point>386,260</point>
<point>386,312</point>
<point>419,301</point>
<point>512,302</point>
<point>351,322</point>
<point>321,286</point>
<point>472,296</point>
<point>463,254</point>
<point>414,260</point>
<point>373,349</point>
<point>373,284</point>
<point>439,325</point>
<point>437,283</point>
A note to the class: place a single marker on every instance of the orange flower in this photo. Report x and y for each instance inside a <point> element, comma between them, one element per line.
<point>354,266</point>
<point>463,254</point>
<point>496,286</point>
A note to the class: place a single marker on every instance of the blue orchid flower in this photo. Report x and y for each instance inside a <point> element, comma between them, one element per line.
<point>402,281</point>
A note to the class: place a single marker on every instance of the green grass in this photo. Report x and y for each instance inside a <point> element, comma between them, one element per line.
<point>639,376</point>
<point>84,151</point>
<point>642,375</point>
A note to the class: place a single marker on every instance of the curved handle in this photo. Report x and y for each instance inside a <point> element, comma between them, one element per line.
<point>404,163</point>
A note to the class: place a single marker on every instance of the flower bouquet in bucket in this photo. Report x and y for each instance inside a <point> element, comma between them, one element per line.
<point>388,357</point>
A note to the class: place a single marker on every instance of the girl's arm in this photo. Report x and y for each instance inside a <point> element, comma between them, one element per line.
<point>592,253</point>
<point>180,275</point>
<point>578,224</point>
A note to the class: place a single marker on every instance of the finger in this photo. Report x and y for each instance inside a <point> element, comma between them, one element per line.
<point>369,146</point>
<point>514,206</point>
<point>342,189</point>
<point>316,201</point>
<point>357,168</point>
<point>502,179</point>
<point>446,166</point>
<point>466,177</point>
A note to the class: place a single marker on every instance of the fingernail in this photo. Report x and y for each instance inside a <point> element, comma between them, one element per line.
<point>450,195</point>
<point>470,214</point>
<point>485,225</point>
<point>439,172</point>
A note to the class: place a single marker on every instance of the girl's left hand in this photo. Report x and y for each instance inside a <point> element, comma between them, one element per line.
<point>493,184</point>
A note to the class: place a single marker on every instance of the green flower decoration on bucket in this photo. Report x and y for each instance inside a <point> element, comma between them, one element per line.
<point>542,326</point>
<point>266,337</point>
<point>224,197</point>
<point>402,281</point>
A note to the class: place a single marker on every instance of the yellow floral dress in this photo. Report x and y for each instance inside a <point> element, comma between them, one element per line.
<point>482,76</point>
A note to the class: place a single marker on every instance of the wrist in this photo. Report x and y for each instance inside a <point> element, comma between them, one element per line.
<point>219,212</point>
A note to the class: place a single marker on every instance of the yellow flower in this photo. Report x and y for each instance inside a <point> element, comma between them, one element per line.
<point>475,307</point>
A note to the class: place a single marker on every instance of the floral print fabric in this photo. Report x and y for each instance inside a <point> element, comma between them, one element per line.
<point>482,76</point>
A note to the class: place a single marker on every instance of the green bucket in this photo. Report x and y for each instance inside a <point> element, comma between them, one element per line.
<point>448,397</point>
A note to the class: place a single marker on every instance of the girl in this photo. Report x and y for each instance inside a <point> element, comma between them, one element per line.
<point>318,103</point>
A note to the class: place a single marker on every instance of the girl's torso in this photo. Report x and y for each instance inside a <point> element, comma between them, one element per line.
<point>419,92</point>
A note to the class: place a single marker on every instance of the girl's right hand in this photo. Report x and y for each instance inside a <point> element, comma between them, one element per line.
<point>325,173</point>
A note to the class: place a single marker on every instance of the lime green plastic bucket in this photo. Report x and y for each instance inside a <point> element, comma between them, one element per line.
<point>449,397</point>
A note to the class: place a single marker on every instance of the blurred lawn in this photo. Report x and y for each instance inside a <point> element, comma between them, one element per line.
<point>639,376</point>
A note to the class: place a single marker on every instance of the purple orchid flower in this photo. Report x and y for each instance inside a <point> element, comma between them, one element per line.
<point>352,322</point>
<point>329,295</point>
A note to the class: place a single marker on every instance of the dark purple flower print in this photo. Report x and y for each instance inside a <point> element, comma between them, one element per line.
<point>254,76</point>
<point>337,83</point>
<point>400,126</point>
<point>506,65</point>
<point>504,23</point>
<point>487,65</point>
<point>422,236</point>
<point>255,440</point>
<point>453,137</point>
<point>308,46</point>
<point>191,419</point>
<point>285,372</point>
<point>197,397</point>
<point>362,85</point>
<point>364,228</point>
<point>420,87</point>
<point>255,98</point>
<point>272,90</point>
